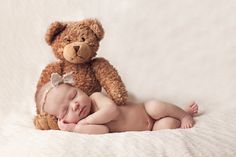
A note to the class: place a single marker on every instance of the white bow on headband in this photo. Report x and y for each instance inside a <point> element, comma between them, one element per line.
<point>57,79</point>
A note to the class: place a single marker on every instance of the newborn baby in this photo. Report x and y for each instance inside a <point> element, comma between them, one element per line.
<point>98,114</point>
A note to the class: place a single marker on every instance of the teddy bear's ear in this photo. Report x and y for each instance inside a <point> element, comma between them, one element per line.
<point>54,29</point>
<point>95,26</point>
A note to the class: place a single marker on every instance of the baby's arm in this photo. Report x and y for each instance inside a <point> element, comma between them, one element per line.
<point>84,129</point>
<point>91,129</point>
<point>107,110</point>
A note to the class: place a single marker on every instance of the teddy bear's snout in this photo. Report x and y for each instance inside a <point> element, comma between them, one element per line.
<point>76,48</point>
<point>77,52</point>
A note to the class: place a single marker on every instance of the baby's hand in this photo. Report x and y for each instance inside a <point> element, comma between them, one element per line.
<point>66,126</point>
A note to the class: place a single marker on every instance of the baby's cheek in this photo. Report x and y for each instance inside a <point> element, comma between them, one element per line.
<point>85,100</point>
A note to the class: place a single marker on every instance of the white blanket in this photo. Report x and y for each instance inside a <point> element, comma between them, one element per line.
<point>176,51</point>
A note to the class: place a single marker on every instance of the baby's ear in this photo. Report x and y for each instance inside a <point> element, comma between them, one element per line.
<point>53,30</point>
<point>95,26</point>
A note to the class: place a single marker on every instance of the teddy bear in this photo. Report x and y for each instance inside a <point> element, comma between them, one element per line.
<point>75,45</point>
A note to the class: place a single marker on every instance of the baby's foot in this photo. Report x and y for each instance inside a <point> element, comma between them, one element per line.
<point>192,108</point>
<point>187,121</point>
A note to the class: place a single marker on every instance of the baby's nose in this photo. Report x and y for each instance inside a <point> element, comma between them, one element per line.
<point>75,106</point>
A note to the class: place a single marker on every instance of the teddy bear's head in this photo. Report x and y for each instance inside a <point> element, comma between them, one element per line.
<point>75,42</point>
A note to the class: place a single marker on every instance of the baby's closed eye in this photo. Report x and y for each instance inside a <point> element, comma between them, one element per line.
<point>73,95</point>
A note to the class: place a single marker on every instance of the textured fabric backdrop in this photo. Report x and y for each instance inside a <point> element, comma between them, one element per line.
<point>175,51</point>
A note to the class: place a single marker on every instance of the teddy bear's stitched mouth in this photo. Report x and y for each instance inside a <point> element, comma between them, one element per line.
<point>78,55</point>
<point>73,58</point>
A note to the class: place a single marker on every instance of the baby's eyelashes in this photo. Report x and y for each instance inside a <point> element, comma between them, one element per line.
<point>73,95</point>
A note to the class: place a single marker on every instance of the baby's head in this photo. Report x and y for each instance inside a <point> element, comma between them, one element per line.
<point>63,101</point>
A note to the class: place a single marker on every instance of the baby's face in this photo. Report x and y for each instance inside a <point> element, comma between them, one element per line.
<point>67,103</point>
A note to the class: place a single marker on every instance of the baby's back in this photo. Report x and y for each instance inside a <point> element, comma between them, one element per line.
<point>132,117</point>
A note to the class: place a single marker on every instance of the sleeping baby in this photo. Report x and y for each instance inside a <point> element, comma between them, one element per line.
<point>98,114</point>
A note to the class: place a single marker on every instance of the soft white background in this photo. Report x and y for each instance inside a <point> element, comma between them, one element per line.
<point>175,51</point>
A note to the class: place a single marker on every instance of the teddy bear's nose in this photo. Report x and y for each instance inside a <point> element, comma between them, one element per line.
<point>76,48</point>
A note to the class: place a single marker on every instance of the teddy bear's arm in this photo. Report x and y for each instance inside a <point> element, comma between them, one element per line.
<point>45,76</point>
<point>110,80</point>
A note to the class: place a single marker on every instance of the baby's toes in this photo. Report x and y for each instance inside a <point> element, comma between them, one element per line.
<point>190,125</point>
<point>186,126</point>
<point>195,111</point>
<point>183,126</point>
<point>187,122</point>
<point>192,104</point>
<point>195,108</point>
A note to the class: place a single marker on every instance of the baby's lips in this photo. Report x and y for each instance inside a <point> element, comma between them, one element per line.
<point>80,109</point>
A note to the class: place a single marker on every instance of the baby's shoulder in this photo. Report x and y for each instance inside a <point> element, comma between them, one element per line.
<point>96,95</point>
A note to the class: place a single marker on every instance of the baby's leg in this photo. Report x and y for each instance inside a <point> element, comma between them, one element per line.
<point>158,110</point>
<point>166,123</point>
<point>172,123</point>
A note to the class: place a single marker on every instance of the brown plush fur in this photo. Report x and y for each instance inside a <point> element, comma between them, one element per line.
<point>90,74</point>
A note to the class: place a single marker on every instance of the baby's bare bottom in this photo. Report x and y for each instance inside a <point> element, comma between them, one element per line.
<point>169,116</point>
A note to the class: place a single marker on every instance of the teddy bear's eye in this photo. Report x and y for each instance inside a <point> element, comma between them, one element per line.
<point>83,39</point>
<point>67,40</point>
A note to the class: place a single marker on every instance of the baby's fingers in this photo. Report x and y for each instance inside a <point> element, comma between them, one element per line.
<point>66,126</point>
<point>61,124</point>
